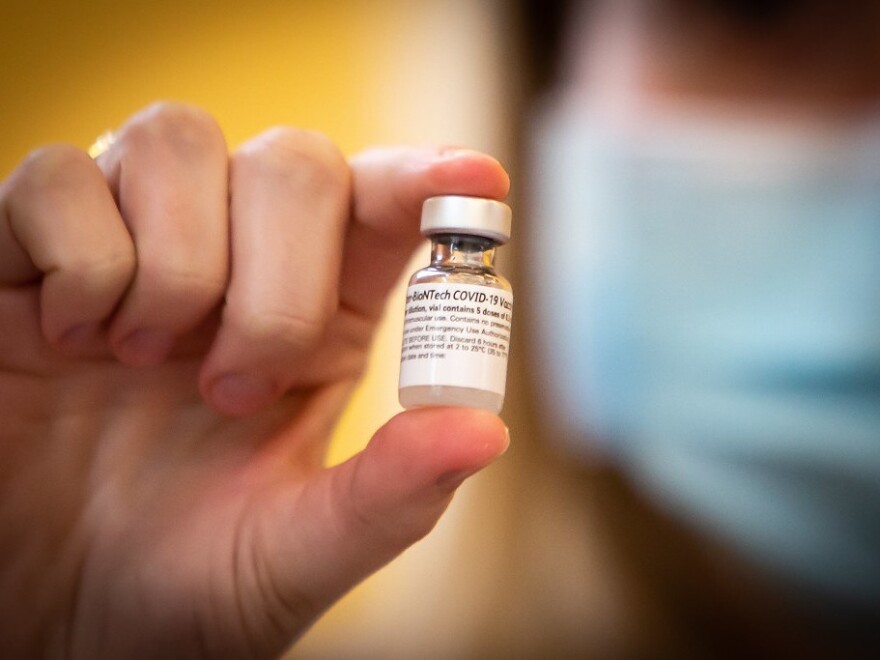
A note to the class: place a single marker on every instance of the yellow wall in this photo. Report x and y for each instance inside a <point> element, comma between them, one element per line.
<point>71,69</point>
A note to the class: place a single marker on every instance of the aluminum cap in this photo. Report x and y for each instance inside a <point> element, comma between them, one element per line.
<point>453,214</point>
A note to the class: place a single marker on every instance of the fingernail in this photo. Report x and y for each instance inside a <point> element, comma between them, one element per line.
<point>239,394</point>
<point>144,348</point>
<point>452,480</point>
<point>79,336</point>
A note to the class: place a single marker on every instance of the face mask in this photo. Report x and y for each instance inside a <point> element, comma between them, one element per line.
<point>706,303</point>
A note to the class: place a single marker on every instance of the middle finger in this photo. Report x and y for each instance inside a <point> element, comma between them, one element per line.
<point>289,210</point>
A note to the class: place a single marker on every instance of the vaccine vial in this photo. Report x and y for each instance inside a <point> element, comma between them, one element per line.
<point>456,330</point>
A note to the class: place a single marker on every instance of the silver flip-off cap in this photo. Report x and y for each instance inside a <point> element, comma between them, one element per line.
<point>452,214</point>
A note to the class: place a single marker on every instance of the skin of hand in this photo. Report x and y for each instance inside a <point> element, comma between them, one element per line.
<point>180,328</point>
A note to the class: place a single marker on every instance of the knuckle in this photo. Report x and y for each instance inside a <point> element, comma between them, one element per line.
<point>296,331</point>
<point>109,269</point>
<point>53,166</point>
<point>308,157</point>
<point>395,528</point>
<point>185,284</point>
<point>186,128</point>
<point>195,285</point>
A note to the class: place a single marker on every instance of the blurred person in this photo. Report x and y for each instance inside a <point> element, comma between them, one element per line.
<point>702,282</point>
<point>704,272</point>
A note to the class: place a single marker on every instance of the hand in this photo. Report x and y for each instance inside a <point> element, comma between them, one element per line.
<point>179,331</point>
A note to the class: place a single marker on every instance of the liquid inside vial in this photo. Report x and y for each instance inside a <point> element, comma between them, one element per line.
<point>448,395</point>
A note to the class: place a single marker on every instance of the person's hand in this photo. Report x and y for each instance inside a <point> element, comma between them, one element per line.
<point>179,331</point>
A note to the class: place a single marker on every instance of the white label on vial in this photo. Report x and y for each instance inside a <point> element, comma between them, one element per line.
<point>456,334</point>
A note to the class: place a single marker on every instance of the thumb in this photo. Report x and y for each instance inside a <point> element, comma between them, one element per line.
<point>354,518</point>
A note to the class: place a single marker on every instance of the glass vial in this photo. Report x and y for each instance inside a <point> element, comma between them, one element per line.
<point>456,330</point>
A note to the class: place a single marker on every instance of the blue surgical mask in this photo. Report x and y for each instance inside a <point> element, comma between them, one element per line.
<point>706,294</point>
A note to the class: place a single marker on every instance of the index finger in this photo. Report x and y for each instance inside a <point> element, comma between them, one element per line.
<point>389,187</point>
